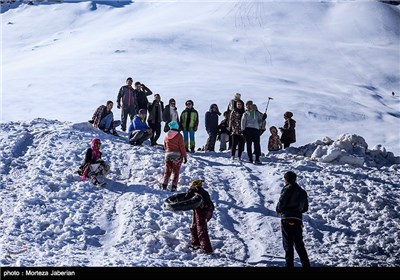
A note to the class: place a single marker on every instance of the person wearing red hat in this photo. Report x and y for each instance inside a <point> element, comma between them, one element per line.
<point>93,165</point>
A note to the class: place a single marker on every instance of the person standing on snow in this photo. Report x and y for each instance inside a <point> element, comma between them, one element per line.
<point>288,130</point>
<point>127,102</point>
<point>189,121</point>
<point>201,215</point>
<point>251,124</point>
<point>175,154</point>
<point>141,94</point>
<point>211,122</point>
<point>293,202</point>
<point>232,105</point>
<point>156,109</point>
<point>170,114</point>
<point>93,165</point>
<point>235,127</point>
<point>224,132</point>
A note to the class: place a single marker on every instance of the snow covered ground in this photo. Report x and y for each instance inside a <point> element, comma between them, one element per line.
<point>62,221</point>
<point>333,70</point>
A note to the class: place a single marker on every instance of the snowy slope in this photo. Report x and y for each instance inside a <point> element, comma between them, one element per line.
<point>334,64</point>
<point>61,221</point>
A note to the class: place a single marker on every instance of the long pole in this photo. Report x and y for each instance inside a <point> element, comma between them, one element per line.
<point>269,98</point>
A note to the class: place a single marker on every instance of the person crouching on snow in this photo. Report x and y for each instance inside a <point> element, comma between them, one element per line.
<point>139,131</point>
<point>93,165</point>
<point>175,153</point>
<point>201,215</point>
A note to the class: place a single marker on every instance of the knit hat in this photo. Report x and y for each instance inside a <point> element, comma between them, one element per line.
<point>196,183</point>
<point>173,125</point>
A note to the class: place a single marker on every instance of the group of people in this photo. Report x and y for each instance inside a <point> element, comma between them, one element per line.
<point>242,124</point>
<point>293,202</point>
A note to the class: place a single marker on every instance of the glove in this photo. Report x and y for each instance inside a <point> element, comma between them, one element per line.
<point>185,160</point>
<point>264,117</point>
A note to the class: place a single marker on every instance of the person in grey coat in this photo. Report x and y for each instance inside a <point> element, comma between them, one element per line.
<point>251,123</point>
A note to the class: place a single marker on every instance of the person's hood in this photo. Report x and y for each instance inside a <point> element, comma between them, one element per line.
<point>171,134</point>
<point>214,105</point>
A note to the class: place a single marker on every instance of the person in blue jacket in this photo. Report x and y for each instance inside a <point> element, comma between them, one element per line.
<point>139,131</point>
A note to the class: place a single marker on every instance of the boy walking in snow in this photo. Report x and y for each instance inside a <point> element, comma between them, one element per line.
<point>127,102</point>
<point>293,202</point>
<point>201,215</point>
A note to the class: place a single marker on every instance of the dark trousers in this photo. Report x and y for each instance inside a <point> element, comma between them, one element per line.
<point>292,235</point>
<point>237,141</point>
<point>253,136</point>
<point>212,138</point>
<point>286,145</point>
<point>156,127</point>
<point>131,111</point>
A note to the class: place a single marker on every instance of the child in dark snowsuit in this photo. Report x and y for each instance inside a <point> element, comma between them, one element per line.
<point>288,130</point>
<point>201,215</point>
<point>93,165</point>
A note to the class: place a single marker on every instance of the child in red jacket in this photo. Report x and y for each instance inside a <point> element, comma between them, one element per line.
<point>175,154</point>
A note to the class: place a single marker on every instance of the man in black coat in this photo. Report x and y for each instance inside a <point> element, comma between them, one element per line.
<point>293,202</point>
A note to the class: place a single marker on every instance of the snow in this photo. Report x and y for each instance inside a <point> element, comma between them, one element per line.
<point>334,71</point>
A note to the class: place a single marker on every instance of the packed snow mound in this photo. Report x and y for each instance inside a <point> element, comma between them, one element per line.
<point>349,149</point>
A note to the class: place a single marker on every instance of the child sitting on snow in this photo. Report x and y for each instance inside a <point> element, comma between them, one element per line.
<point>93,165</point>
<point>274,142</point>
